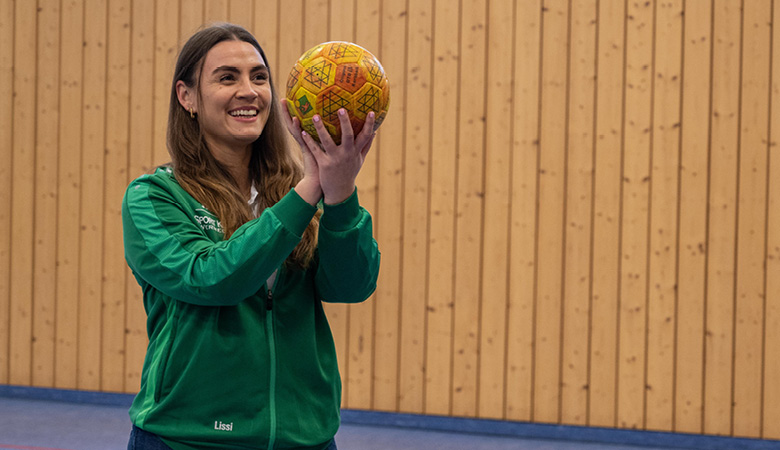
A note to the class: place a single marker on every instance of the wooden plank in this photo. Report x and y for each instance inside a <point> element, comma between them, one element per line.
<point>316,21</point>
<point>771,401</point>
<point>290,40</point>
<point>414,271</point>
<point>92,176</point>
<point>46,152</point>
<point>664,193</point>
<point>6,171</point>
<point>345,318</point>
<point>579,207</point>
<point>266,31</point>
<point>470,199</point>
<point>69,194</point>
<point>441,233</point>
<point>358,323</point>
<point>552,172</point>
<point>391,52</point>
<point>117,141</point>
<point>606,217</point>
<point>751,220</point>
<point>215,11</point>
<point>692,251</point>
<point>140,161</point>
<point>342,20</point>
<point>23,192</point>
<point>242,12</point>
<point>525,174</point>
<point>722,201</point>
<point>498,173</point>
<point>166,46</point>
<point>634,224</point>
<point>190,19</point>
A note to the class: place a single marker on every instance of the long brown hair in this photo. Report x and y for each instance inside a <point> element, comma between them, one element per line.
<point>272,167</point>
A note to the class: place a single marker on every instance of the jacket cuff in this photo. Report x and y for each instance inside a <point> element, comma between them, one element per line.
<point>294,212</point>
<point>341,216</point>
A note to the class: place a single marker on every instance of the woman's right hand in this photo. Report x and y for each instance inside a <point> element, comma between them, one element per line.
<point>309,187</point>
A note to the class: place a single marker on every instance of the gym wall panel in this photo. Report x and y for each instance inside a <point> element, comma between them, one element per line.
<point>576,201</point>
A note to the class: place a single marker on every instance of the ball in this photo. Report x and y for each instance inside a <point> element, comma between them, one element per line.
<point>335,75</point>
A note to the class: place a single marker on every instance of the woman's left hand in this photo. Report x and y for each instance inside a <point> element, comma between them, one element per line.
<point>339,165</point>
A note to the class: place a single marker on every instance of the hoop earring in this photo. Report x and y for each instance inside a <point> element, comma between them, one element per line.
<point>192,114</point>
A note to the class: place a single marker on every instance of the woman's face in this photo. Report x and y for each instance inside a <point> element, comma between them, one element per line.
<point>235,95</point>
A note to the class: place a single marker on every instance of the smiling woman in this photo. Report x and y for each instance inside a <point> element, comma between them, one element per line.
<point>234,258</point>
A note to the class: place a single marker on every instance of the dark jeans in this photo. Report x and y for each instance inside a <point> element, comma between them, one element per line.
<point>141,440</point>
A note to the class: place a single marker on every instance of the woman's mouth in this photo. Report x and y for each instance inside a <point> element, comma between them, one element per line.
<point>244,112</point>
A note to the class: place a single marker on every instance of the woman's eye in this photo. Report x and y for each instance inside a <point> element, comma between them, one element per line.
<point>226,77</point>
<point>261,77</point>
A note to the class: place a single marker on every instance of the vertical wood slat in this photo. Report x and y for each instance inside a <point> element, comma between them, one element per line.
<point>343,319</point>
<point>23,192</point>
<point>441,232</point>
<point>635,200</point>
<point>215,11</point>
<point>389,201</point>
<point>139,161</point>
<point>46,140</point>
<point>90,301</point>
<point>470,204</point>
<point>722,200</point>
<point>552,172</point>
<point>6,157</point>
<point>771,370</point>
<point>358,321</point>
<point>166,44</point>
<point>190,19</point>
<point>415,210</point>
<point>579,199</point>
<point>115,271</point>
<point>69,194</point>
<point>607,213</point>
<point>525,174</point>
<point>751,224</point>
<point>265,28</point>
<point>664,194</point>
<point>495,231</point>
<point>241,12</point>
<point>691,275</point>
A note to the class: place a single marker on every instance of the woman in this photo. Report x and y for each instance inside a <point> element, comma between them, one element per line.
<point>234,259</point>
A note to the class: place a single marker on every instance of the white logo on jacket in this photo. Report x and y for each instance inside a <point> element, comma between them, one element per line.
<point>218,425</point>
<point>207,220</point>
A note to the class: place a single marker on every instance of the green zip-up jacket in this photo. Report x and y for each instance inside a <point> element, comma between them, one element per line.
<point>231,364</point>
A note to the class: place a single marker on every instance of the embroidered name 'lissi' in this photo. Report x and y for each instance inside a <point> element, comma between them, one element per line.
<point>218,425</point>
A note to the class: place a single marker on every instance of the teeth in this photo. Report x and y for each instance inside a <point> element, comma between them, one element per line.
<point>244,112</point>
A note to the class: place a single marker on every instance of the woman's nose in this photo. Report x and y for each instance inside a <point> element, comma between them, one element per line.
<point>246,89</point>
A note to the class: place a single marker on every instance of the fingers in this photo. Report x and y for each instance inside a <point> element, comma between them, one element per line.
<point>347,134</point>
<point>367,134</point>
<point>311,146</point>
<point>322,133</point>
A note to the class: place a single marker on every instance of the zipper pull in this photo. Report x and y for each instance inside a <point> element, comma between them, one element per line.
<point>269,301</point>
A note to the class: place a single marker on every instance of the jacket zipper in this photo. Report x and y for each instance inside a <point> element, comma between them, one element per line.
<point>269,320</point>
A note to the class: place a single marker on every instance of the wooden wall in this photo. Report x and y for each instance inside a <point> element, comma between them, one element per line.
<point>577,201</point>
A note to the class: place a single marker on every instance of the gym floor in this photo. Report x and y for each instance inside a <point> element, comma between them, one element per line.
<point>57,424</point>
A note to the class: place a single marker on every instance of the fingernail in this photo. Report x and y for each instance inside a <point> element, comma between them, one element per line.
<point>303,133</point>
<point>316,118</point>
<point>342,112</point>
<point>371,114</point>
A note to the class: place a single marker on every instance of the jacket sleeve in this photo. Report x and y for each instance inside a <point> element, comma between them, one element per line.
<point>166,248</point>
<point>349,257</point>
